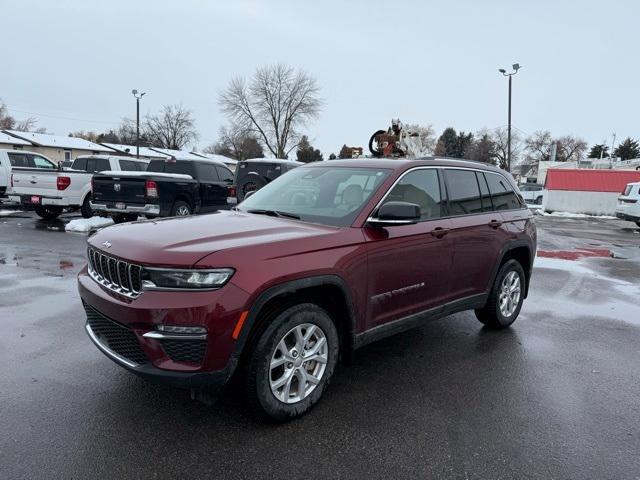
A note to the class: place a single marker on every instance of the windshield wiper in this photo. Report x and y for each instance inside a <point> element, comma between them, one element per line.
<point>274,213</point>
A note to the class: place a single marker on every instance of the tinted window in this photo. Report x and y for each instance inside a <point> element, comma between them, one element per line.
<point>129,166</point>
<point>41,162</point>
<point>464,192</point>
<point>484,191</point>
<point>225,174</point>
<point>422,188</point>
<point>181,167</point>
<point>502,195</point>
<point>18,160</point>
<point>208,172</point>
<point>79,164</point>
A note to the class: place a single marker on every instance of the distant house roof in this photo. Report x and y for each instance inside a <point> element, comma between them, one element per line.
<point>58,141</point>
<point>6,138</point>
<point>131,150</point>
<point>178,154</point>
<point>590,180</point>
<point>218,158</point>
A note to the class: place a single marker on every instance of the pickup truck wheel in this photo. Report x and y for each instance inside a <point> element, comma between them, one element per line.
<point>539,201</point>
<point>48,212</point>
<point>292,362</point>
<point>638,223</point>
<point>506,297</point>
<point>123,217</point>
<point>180,209</point>
<point>85,209</point>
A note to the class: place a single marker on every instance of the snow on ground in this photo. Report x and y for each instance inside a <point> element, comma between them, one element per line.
<point>86,224</point>
<point>5,213</point>
<point>575,215</point>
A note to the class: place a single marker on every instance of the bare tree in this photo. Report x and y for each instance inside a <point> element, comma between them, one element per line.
<point>173,127</point>
<point>427,136</point>
<point>88,135</point>
<point>539,146</point>
<point>237,143</point>
<point>126,133</point>
<point>8,122</point>
<point>501,147</point>
<point>273,104</point>
<point>571,149</point>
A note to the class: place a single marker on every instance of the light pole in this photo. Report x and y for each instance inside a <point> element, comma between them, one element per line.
<point>138,97</point>
<point>516,67</point>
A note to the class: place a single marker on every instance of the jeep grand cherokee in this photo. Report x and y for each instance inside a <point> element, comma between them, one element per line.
<point>324,259</point>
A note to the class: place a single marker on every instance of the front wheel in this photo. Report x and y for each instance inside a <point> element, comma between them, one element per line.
<point>506,297</point>
<point>539,201</point>
<point>123,217</point>
<point>48,212</point>
<point>292,362</point>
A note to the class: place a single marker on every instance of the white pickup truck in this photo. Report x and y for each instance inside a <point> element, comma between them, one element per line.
<point>10,159</point>
<point>48,192</point>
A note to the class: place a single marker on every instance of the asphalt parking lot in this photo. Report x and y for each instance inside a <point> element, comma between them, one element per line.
<point>556,396</point>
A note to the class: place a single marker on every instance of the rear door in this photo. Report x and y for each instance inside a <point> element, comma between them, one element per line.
<point>410,265</point>
<point>213,191</point>
<point>476,232</point>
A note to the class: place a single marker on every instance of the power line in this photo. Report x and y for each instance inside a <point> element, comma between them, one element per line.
<point>61,117</point>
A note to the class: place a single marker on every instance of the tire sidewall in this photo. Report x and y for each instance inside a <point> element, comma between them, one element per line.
<point>86,210</point>
<point>283,323</point>
<point>511,265</point>
<point>179,204</point>
<point>250,178</point>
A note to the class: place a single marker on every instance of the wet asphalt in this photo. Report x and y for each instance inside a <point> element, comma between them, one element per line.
<point>556,396</point>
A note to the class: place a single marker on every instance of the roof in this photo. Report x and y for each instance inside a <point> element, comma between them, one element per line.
<point>6,138</point>
<point>404,163</point>
<point>273,160</point>
<point>218,158</point>
<point>178,154</point>
<point>131,150</point>
<point>58,141</point>
<point>590,180</point>
<point>119,157</point>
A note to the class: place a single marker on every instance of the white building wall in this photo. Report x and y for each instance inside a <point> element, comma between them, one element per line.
<point>590,203</point>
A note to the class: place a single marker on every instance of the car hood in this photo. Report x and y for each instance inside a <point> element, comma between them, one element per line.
<point>182,241</point>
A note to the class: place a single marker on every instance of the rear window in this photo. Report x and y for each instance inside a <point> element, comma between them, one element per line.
<point>131,166</point>
<point>502,195</point>
<point>79,164</point>
<point>225,174</point>
<point>176,166</point>
<point>97,165</point>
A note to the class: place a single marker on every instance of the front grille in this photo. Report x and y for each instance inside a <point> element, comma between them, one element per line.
<point>117,275</point>
<point>115,337</point>
<point>185,350</point>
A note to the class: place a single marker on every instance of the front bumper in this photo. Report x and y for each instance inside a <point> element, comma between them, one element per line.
<point>628,217</point>
<point>148,209</point>
<point>140,346</point>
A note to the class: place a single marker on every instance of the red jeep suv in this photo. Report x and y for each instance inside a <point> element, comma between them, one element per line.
<point>325,259</point>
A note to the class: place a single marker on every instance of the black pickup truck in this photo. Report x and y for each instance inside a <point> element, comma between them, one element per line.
<point>167,188</point>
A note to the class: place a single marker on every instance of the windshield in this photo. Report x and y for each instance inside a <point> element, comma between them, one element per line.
<point>327,195</point>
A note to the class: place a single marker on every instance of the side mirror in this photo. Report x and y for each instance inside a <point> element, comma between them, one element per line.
<point>396,213</point>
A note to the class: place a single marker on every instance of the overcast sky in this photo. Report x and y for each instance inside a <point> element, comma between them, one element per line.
<point>73,63</point>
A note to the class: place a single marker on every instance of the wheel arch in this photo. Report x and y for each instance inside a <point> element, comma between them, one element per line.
<point>523,253</point>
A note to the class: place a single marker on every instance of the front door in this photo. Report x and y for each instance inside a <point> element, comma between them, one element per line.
<point>211,188</point>
<point>409,265</point>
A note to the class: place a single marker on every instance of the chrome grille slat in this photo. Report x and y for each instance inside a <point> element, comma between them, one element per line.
<point>116,275</point>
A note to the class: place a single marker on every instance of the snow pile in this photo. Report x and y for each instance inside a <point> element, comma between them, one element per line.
<point>5,213</point>
<point>576,215</point>
<point>87,224</point>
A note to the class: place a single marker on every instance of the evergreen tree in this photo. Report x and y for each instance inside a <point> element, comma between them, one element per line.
<point>306,153</point>
<point>447,144</point>
<point>627,150</point>
<point>483,149</point>
<point>599,151</point>
<point>463,143</point>
<point>345,152</point>
<point>332,156</point>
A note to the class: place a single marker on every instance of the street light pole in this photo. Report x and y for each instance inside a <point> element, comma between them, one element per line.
<point>516,67</point>
<point>138,97</point>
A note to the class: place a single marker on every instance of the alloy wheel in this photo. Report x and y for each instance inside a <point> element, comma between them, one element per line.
<point>509,297</point>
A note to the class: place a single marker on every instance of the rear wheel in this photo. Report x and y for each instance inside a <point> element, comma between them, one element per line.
<point>292,363</point>
<point>506,297</point>
<point>638,223</point>
<point>85,209</point>
<point>48,212</point>
<point>181,209</point>
<point>539,201</point>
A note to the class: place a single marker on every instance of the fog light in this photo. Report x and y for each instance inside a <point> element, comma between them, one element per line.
<point>182,330</point>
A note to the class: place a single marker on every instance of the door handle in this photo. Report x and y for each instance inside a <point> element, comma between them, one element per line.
<point>439,232</point>
<point>495,223</point>
<point>32,182</point>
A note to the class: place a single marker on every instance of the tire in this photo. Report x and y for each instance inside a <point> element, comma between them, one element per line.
<point>85,209</point>
<point>181,209</point>
<point>638,223</point>
<point>48,212</point>
<point>258,376</point>
<point>375,152</point>
<point>492,315</point>
<point>251,183</point>
<point>123,217</point>
<point>539,201</point>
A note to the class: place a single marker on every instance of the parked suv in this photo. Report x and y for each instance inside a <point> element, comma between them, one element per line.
<point>253,174</point>
<point>629,203</point>
<point>323,260</point>
<point>532,193</point>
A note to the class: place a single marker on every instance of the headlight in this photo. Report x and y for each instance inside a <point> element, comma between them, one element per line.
<point>169,279</point>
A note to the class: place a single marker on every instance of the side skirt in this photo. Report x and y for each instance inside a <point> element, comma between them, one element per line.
<point>418,319</point>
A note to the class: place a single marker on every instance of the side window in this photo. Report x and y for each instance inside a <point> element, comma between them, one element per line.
<point>502,195</point>
<point>422,188</point>
<point>225,174</point>
<point>128,166</point>
<point>41,162</point>
<point>18,160</point>
<point>208,172</point>
<point>484,191</point>
<point>102,165</point>
<point>464,192</point>
<point>79,164</point>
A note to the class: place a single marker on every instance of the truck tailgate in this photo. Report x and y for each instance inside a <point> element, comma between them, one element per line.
<point>27,181</point>
<point>114,189</point>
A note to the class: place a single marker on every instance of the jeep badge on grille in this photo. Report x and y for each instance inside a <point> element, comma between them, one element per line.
<point>106,244</point>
